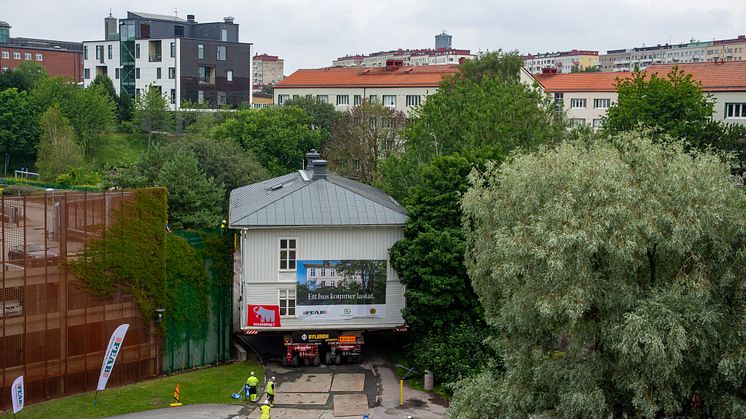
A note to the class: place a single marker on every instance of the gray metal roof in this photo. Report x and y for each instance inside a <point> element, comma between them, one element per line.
<point>156,17</point>
<point>299,199</point>
<point>4,24</point>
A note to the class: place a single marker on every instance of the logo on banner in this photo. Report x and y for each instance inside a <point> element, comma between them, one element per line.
<point>112,356</point>
<point>264,316</point>
<point>112,351</point>
<point>17,394</point>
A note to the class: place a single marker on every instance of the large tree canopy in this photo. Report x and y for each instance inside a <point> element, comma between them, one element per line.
<point>614,274</point>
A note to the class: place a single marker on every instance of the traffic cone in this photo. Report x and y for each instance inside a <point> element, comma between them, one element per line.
<point>177,397</point>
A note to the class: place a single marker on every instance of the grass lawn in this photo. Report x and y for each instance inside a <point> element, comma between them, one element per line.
<point>207,385</point>
<point>116,148</point>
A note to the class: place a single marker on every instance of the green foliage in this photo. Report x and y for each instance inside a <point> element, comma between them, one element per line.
<point>361,138</point>
<point>195,200</point>
<point>115,149</point>
<point>45,185</point>
<point>151,112</point>
<point>613,273</point>
<point>452,353</point>
<point>24,77</point>
<point>77,176</point>
<point>323,115</point>
<point>131,256</point>
<point>186,284</point>
<point>19,124</point>
<point>482,112</point>
<point>503,66</point>
<point>279,137</point>
<point>90,111</point>
<point>673,105</point>
<point>105,85</point>
<point>57,151</point>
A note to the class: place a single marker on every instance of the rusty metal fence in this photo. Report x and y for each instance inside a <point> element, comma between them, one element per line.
<point>52,332</point>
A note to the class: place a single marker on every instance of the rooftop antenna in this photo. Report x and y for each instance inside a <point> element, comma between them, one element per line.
<point>110,12</point>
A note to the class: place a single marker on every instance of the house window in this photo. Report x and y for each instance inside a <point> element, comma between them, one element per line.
<point>137,50</point>
<point>6,54</point>
<point>229,75</point>
<point>281,99</point>
<point>601,103</point>
<point>577,103</point>
<point>137,92</point>
<point>735,110</point>
<point>413,100</point>
<point>116,73</point>
<point>172,73</point>
<point>558,102</point>
<point>85,53</point>
<point>205,75</point>
<point>222,98</point>
<point>200,96</point>
<point>201,52</point>
<point>389,101</point>
<point>87,73</point>
<point>287,254</point>
<point>576,122</point>
<point>16,55</point>
<point>287,302</point>
<point>173,95</point>
<point>323,272</point>
<point>39,57</point>
<point>137,73</point>
<point>173,49</point>
<point>221,52</point>
<point>343,99</point>
<point>224,35</point>
<point>158,73</point>
<point>110,51</point>
<point>357,100</point>
<point>373,99</point>
<point>27,56</point>
<point>178,31</point>
<point>597,123</point>
<point>322,98</point>
<point>312,272</point>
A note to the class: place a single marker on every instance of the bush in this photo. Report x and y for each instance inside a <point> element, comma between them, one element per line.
<point>16,190</point>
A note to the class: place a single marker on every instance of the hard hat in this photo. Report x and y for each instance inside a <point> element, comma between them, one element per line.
<point>266,402</point>
<point>252,372</point>
<point>273,378</point>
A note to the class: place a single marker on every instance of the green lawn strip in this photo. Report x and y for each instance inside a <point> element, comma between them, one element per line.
<point>115,149</point>
<point>206,385</point>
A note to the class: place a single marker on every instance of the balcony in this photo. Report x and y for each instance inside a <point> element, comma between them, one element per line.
<point>154,58</point>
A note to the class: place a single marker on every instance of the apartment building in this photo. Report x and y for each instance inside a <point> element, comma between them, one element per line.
<point>561,61</point>
<point>59,58</point>
<point>184,59</point>
<point>396,85</point>
<point>267,70</point>
<point>442,54</point>
<point>586,97</point>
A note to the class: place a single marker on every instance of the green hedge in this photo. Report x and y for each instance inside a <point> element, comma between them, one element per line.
<point>45,185</point>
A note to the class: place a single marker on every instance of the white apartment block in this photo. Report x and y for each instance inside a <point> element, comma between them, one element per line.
<point>267,69</point>
<point>561,61</point>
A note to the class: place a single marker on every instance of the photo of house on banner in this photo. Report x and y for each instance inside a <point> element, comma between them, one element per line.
<point>341,289</point>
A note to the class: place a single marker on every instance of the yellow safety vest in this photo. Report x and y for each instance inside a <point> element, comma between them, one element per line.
<point>270,387</point>
<point>265,411</point>
<point>252,381</point>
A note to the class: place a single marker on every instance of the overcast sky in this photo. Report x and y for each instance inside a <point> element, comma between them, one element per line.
<point>311,33</point>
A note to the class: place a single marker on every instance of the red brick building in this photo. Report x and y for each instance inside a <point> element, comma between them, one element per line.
<point>59,58</point>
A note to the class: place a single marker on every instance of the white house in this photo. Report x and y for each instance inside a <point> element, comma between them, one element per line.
<point>315,250</point>
<point>586,97</point>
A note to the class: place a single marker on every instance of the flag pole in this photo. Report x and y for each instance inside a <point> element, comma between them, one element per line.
<point>94,398</point>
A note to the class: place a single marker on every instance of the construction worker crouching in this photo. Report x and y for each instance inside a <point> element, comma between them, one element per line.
<point>265,410</point>
<point>251,384</point>
<point>271,391</point>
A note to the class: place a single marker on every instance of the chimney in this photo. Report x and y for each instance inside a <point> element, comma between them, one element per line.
<point>319,169</point>
<point>310,157</point>
<point>228,19</point>
<point>190,18</point>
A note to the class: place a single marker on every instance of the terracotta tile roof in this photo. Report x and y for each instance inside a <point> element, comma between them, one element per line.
<point>715,77</point>
<point>415,76</point>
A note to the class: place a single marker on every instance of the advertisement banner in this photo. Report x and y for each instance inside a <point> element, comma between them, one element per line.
<point>340,289</point>
<point>16,392</point>
<point>263,315</point>
<point>115,346</point>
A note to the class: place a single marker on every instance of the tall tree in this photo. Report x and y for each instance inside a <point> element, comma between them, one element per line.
<point>58,151</point>
<point>279,137</point>
<point>24,77</point>
<point>151,112</point>
<point>613,272</point>
<point>323,115</point>
<point>362,138</point>
<point>19,125</point>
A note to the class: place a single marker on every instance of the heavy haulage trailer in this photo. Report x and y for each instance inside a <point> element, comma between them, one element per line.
<point>310,348</point>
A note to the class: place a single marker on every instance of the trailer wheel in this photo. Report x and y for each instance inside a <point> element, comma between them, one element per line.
<point>284,361</point>
<point>338,359</point>
<point>295,360</point>
<point>328,358</point>
<point>316,360</point>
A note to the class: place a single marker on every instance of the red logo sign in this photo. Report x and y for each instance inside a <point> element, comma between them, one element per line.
<point>264,316</point>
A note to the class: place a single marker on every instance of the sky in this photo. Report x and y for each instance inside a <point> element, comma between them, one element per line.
<point>312,33</point>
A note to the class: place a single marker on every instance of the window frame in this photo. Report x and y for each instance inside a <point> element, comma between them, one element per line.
<point>224,49</point>
<point>322,98</point>
<point>172,73</point>
<point>575,103</point>
<point>287,258</point>
<point>357,100</point>
<point>281,99</point>
<point>16,55</point>
<point>343,100</point>
<point>229,76</point>
<point>290,295</point>
<point>27,56</point>
<point>391,97</point>
<point>200,51</point>
<point>603,101</point>
<point>6,55</point>
<point>413,100</point>
<point>38,57</point>
<point>733,106</point>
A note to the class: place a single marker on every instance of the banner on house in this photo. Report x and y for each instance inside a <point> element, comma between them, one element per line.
<point>115,345</point>
<point>263,315</point>
<point>340,289</point>
<point>17,394</point>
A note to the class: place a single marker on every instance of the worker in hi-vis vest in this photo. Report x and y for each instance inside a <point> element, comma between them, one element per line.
<point>265,410</point>
<point>271,391</point>
<point>251,383</point>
